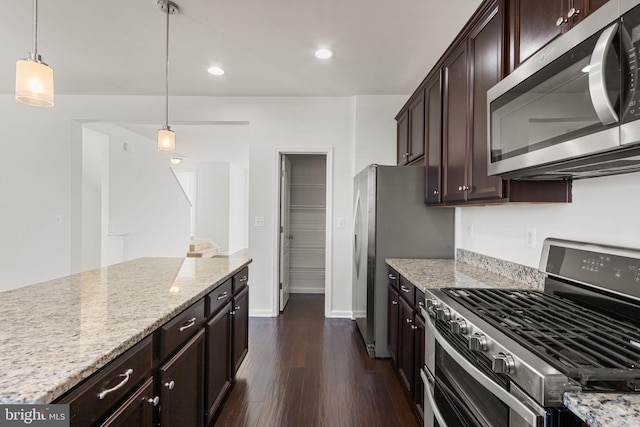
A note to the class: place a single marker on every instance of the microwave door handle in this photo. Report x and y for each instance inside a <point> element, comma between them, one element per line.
<point>507,398</point>
<point>428,392</point>
<point>597,79</point>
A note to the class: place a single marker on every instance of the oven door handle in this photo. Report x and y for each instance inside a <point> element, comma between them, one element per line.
<point>597,79</point>
<point>507,398</point>
<point>427,379</point>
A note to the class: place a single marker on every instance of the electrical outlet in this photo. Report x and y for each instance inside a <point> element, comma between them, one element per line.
<point>531,237</point>
<point>259,221</point>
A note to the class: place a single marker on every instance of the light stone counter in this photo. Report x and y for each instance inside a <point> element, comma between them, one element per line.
<point>605,409</point>
<point>55,334</point>
<point>447,273</point>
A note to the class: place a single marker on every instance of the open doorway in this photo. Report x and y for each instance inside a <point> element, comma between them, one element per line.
<point>304,226</point>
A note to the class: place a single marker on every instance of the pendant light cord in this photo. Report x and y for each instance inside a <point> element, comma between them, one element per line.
<point>167,71</point>
<point>35,27</point>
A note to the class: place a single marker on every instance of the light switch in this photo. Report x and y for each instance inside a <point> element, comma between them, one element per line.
<point>259,221</point>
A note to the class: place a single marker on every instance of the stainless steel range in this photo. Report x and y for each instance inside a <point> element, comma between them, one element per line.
<point>504,357</point>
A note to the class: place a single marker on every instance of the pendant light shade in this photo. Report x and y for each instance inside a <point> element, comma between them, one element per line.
<point>34,78</point>
<point>166,140</point>
<point>167,137</point>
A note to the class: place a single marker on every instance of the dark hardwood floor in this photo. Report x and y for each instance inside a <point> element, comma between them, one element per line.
<point>305,370</point>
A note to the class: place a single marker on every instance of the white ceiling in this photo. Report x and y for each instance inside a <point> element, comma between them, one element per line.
<point>383,47</point>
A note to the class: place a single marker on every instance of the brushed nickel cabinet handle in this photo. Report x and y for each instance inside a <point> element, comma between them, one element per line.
<point>126,375</point>
<point>392,277</point>
<point>154,401</point>
<point>394,302</point>
<point>573,12</point>
<point>170,385</point>
<point>404,289</point>
<point>561,20</point>
<point>223,295</point>
<point>190,323</point>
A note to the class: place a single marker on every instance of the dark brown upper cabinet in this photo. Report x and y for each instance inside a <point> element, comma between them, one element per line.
<point>433,135</point>
<point>533,24</point>
<point>411,131</point>
<point>455,119</point>
<point>453,98</point>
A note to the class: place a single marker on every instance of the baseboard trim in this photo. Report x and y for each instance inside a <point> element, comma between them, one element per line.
<point>307,290</point>
<point>337,314</point>
<point>261,313</point>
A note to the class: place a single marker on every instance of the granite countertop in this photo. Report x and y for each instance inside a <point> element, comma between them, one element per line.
<point>595,409</point>
<point>446,273</point>
<point>605,409</point>
<point>58,332</point>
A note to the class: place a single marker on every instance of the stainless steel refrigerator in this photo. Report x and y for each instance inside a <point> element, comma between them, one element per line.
<point>391,221</point>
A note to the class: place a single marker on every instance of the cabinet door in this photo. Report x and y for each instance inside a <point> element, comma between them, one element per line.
<point>485,63</point>
<point>455,110</point>
<point>418,396</point>
<point>416,127</point>
<point>533,25</point>
<point>181,386</point>
<point>218,357</point>
<point>393,311</point>
<point>403,138</point>
<point>137,411</point>
<point>433,131</point>
<point>406,346</point>
<point>240,328</point>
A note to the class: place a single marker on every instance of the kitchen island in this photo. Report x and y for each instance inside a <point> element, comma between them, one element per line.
<point>595,409</point>
<point>57,333</point>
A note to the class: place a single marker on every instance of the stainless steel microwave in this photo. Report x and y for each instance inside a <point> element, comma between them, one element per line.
<point>572,110</point>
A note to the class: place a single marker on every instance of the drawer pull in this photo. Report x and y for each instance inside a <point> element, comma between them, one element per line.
<point>235,309</point>
<point>404,289</point>
<point>414,327</point>
<point>409,320</point>
<point>421,304</point>
<point>170,385</point>
<point>394,302</point>
<point>126,375</point>
<point>392,277</point>
<point>243,279</point>
<point>153,401</point>
<point>190,323</point>
<point>223,295</point>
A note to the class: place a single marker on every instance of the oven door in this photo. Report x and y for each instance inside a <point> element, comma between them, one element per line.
<point>563,103</point>
<point>457,393</point>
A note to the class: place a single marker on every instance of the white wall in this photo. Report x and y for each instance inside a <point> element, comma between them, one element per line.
<point>92,162</point>
<point>146,201</point>
<point>44,178</point>
<point>604,210</point>
<point>376,129</point>
<point>238,209</point>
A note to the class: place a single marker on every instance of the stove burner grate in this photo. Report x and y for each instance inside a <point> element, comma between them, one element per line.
<point>583,344</point>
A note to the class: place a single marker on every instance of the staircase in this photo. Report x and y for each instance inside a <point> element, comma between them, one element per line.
<point>201,249</point>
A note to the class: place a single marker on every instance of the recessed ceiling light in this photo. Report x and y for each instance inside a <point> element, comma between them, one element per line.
<point>216,71</point>
<point>324,53</point>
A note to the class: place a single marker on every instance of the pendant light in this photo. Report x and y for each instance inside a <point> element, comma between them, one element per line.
<point>34,78</point>
<point>167,137</point>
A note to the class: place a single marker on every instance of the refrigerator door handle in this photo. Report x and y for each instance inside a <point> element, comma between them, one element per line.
<point>356,231</point>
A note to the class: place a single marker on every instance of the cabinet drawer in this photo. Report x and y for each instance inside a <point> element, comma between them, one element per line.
<point>219,296</point>
<point>419,301</point>
<point>240,280</point>
<point>181,328</point>
<point>105,390</point>
<point>393,278</point>
<point>407,291</point>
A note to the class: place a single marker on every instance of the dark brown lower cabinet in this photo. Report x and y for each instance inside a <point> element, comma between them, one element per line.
<point>181,386</point>
<point>240,328</point>
<point>137,411</point>
<point>393,311</point>
<point>218,366</point>
<point>418,395</point>
<point>406,346</point>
